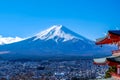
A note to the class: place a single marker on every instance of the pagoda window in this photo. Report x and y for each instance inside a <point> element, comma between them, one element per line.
<point>118,69</point>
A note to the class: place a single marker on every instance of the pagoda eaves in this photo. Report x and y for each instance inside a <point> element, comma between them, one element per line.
<point>113,37</point>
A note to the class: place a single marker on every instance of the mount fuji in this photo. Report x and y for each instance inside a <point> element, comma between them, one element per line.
<point>55,42</point>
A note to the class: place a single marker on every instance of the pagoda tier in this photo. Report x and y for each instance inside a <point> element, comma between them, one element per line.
<point>113,37</point>
<point>113,61</point>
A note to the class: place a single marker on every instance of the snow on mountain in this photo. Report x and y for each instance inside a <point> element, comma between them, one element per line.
<point>8,40</point>
<point>56,32</point>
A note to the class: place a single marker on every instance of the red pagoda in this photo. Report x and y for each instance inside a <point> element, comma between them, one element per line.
<point>113,37</point>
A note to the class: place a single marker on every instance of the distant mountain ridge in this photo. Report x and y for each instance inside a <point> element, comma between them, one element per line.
<point>55,42</point>
<point>9,40</point>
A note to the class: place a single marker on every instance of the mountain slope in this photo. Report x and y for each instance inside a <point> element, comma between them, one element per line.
<point>57,41</point>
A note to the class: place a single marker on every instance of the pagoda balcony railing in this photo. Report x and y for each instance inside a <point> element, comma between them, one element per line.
<point>116,52</point>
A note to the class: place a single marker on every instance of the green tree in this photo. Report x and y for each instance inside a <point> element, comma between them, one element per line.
<point>110,70</point>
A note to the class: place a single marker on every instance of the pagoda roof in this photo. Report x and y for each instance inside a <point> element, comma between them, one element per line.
<point>114,59</point>
<point>100,61</point>
<point>116,32</point>
<point>112,37</point>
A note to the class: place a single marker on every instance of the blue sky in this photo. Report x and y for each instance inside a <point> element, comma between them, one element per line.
<point>90,18</point>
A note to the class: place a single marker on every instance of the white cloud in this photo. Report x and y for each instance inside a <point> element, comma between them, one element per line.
<point>8,40</point>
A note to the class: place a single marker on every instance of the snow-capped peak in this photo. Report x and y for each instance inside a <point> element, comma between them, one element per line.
<point>58,32</point>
